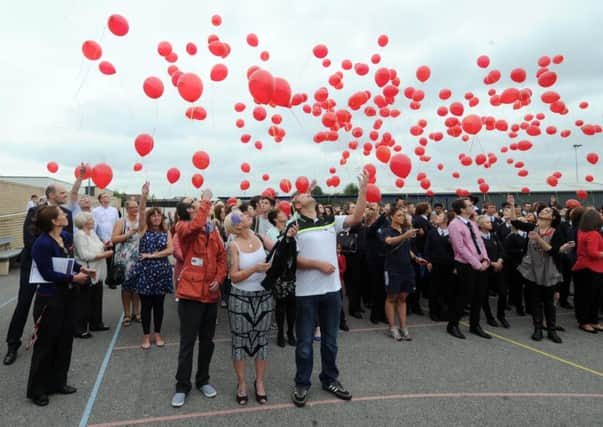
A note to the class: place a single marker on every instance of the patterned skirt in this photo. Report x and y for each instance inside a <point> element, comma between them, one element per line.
<point>250,316</point>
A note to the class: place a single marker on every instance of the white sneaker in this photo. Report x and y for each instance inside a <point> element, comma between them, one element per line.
<point>405,335</point>
<point>208,391</point>
<point>178,400</point>
<point>395,334</point>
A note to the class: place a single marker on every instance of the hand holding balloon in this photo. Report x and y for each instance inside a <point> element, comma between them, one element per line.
<point>145,189</point>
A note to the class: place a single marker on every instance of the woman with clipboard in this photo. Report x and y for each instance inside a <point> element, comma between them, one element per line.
<point>53,307</point>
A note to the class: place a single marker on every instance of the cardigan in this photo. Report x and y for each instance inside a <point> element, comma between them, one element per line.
<point>86,248</point>
<point>42,251</point>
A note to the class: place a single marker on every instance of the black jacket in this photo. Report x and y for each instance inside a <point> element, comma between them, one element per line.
<point>419,222</point>
<point>30,235</point>
<point>284,261</point>
<point>438,249</point>
<point>375,248</point>
<point>494,247</point>
<point>515,248</point>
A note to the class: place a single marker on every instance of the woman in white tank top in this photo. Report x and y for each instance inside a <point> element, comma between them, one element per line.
<point>249,304</point>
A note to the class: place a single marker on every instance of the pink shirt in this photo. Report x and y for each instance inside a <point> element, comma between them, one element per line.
<point>462,244</point>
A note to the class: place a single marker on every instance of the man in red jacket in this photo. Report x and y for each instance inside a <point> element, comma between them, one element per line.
<point>198,293</point>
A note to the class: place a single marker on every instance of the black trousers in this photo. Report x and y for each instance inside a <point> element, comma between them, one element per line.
<point>472,286</point>
<point>440,287</point>
<point>197,320</point>
<point>518,291</point>
<point>542,299</point>
<point>566,271</point>
<point>588,288</point>
<point>285,308</point>
<point>422,288</point>
<point>377,285</point>
<point>355,281</point>
<point>52,350</point>
<point>151,304</point>
<point>89,307</point>
<point>24,300</point>
<point>496,283</point>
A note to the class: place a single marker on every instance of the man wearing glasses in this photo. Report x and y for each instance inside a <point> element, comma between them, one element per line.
<point>471,262</point>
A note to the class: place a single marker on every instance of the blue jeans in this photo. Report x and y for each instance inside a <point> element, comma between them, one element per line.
<point>326,309</point>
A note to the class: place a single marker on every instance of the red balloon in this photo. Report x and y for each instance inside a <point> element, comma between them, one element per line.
<point>265,55</point>
<point>472,124</point>
<point>382,40</point>
<point>382,77</point>
<point>92,50</point>
<point>456,108</point>
<point>259,113</point>
<point>361,68</point>
<point>483,61</point>
<point>173,175</point>
<point>445,94</point>
<point>172,57</point>
<point>548,78</point>
<point>423,73</point>
<point>261,86</point>
<point>137,167</point>
<point>302,184</point>
<point>52,167</point>
<point>87,174</point>
<point>320,51</point>
<point>582,194</point>
<point>373,194</point>
<point>245,167</point>
<point>383,154</point>
<point>425,184</point>
<point>118,25</point>
<point>144,144</point>
<point>252,40</point>
<point>196,113</point>
<point>102,174</point>
<point>164,48</point>
<point>285,185</point>
<point>219,72</point>
<point>592,158</point>
<point>282,93</point>
<point>244,185</point>
<point>400,165</point>
<point>589,178</point>
<point>216,20</point>
<point>484,188</point>
<point>239,107</point>
<point>190,87</point>
<point>201,160</point>
<point>552,181</point>
<point>197,180</point>
<point>106,67</point>
<point>518,75</point>
<point>153,87</point>
<point>285,207</point>
<point>265,177</point>
<point>191,48</point>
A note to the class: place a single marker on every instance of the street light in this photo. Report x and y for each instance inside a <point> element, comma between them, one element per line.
<point>576,146</point>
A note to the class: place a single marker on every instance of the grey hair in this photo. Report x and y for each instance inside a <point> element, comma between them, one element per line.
<point>81,219</point>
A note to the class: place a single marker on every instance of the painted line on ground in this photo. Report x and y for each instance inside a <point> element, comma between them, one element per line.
<point>5,303</point>
<point>542,353</point>
<point>100,376</point>
<point>278,406</point>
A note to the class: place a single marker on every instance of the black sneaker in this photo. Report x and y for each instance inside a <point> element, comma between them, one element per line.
<point>337,389</point>
<point>299,396</point>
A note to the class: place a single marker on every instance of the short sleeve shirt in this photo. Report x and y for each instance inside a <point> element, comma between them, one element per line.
<point>105,219</point>
<point>317,239</point>
<point>397,257</point>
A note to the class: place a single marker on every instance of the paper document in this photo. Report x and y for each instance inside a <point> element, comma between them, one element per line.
<point>59,265</point>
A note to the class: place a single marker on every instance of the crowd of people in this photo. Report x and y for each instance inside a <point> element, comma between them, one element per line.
<point>290,265</point>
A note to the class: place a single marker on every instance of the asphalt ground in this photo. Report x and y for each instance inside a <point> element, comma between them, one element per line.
<point>433,380</point>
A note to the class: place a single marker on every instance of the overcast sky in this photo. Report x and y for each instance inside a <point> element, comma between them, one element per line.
<point>57,106</point>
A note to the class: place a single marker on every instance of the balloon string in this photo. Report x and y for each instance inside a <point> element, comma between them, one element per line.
<point>156,122</point>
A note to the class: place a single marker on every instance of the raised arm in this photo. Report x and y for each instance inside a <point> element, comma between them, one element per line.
<point>142,215</point>
<point>78,182</point>
<point>197,225</point>
<point>356,216</point>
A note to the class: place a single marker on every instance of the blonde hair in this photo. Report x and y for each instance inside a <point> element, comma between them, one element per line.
<point>81,219</point>
<point>483,218</point>
<point>229,227</point>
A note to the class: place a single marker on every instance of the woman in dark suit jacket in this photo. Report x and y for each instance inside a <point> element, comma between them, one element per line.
<point>53,307</point>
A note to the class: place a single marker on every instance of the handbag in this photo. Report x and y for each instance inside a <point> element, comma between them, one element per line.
<point>348,242</point>
<point>117,271</point>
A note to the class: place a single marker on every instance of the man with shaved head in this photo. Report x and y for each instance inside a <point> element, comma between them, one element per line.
<point>56,195</point>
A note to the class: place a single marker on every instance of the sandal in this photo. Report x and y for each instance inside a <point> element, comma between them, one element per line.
<point>241,400</point>
<point>126,321</point>
<point>262,399</point>
<point>597,327</point>
<point>137,318</point>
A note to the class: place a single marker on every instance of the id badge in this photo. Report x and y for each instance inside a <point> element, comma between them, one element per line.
<point>197,262</point>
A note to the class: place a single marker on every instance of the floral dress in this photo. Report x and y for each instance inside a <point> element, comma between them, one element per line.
<point>152,276</point>
<point>127,255</point>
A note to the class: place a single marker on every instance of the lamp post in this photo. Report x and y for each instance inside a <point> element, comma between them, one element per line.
<point>576,146</point>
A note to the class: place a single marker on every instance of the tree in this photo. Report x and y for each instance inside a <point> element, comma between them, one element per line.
<point>317,191</point>
<point>350,190</point>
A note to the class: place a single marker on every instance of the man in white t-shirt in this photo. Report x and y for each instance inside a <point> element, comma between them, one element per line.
<point>33,202</point>
<point>105,217</point>
<point>318,292</point>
